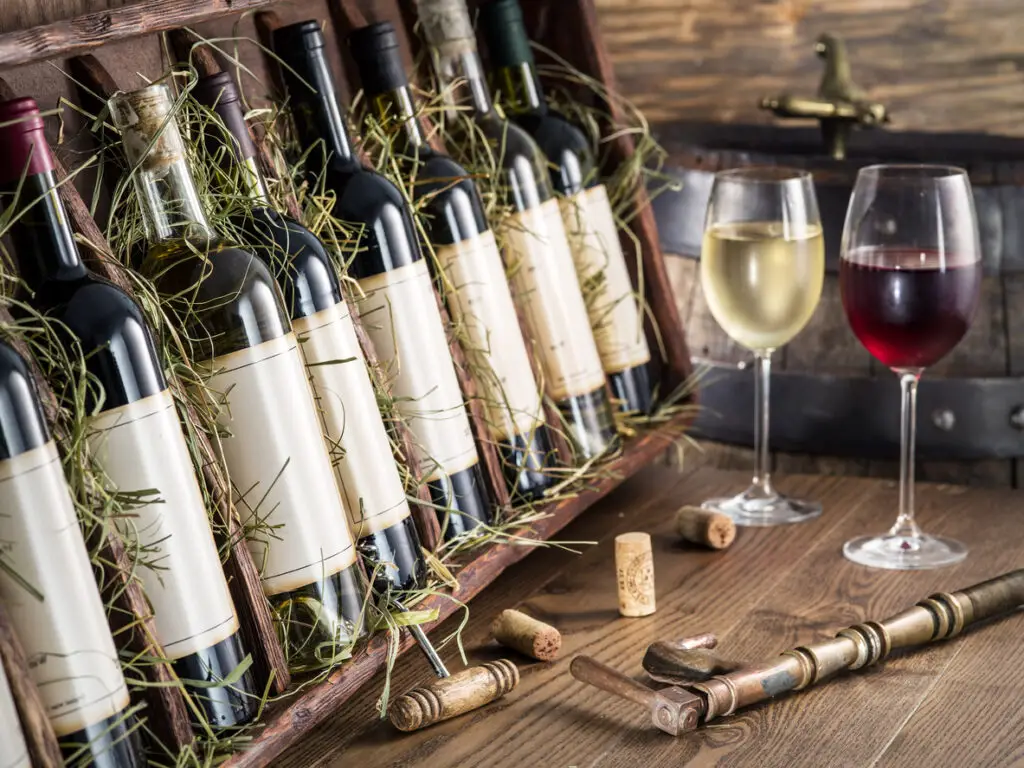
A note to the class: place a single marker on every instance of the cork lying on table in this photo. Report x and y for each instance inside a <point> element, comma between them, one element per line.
<point>706,527</point>
<point>527,635</point>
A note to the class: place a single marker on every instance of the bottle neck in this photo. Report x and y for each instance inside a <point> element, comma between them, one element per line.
<point>228,137</point>
<point>397,112</point>
<point>461,80</point>
<point>44,244</point>
<point>318,115</point>
<point>171,208</point>
<point>520,89</point>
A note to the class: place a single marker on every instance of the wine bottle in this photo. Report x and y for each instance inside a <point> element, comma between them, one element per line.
<point>48,588</point>
<point>13,749</point>
<point>136,437</point>
<point>398,306</point>
<point>360,450</point>
<point>226,301</point>
<point>600,264</point>
<point>467,254</point>
<point>537,253</point>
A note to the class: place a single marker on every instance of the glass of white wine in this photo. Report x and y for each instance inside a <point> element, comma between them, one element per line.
<point>762,268</point>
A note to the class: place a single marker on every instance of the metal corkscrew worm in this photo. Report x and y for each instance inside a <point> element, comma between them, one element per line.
<point>680,709</point>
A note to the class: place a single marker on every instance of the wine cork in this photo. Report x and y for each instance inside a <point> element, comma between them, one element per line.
<point>452,696</point>
<point>705,526</point>
<point>634,569</point>
<point>527,635</point>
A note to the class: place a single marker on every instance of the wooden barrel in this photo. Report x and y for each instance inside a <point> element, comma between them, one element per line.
<point>834,408</point>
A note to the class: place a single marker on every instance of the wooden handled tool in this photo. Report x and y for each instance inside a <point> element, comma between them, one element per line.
<point>450,695</point>
<point>944,615</point>
<point>454,695</point>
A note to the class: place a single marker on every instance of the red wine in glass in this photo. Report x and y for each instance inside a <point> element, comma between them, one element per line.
<point>909,306</point>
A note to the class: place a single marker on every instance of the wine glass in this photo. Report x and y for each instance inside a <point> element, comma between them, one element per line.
<point>762,266</point>
<point>910,278</point>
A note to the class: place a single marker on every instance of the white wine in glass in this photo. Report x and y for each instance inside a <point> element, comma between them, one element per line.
<point>762,268</point>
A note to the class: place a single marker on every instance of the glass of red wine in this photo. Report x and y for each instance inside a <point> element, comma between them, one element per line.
<point>910,279</point>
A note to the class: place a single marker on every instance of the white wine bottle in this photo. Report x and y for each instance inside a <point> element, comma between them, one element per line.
<point>360,449</point>
<point>229,306</point>
<point>398,305</point>
<point>600,263</point>
<point>537,254</point>
<point>468,258</point>
<point>48,587</point>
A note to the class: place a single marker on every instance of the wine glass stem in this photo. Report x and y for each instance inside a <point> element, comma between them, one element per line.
<point>905,525</point>
<point>762,379</point>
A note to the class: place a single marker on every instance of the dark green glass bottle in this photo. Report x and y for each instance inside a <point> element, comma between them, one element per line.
<point>611,303</point>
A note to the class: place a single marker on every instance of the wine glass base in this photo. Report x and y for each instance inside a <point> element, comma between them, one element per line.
<point>904,553</point>
<point>755,509</point>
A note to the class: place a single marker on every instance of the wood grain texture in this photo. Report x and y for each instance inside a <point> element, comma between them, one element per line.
<point>939,66</point>
<point>43,750</point>
<point>773,589</point>
<point>288,725</point>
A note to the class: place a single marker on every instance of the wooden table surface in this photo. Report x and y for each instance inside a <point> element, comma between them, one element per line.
<point>958,703</point>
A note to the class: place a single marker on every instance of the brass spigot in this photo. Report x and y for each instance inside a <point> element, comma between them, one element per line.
<point>840,104</point>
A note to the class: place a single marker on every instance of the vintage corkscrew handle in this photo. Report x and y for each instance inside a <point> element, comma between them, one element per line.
<point>452,696</point>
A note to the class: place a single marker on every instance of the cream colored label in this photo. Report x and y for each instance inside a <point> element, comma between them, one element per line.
<point>481,303</point>
<point>399,311</point>
<point>141,448</point>
<point>13,752</point>
<point>356,437</point>
<point>60,620</point>
<point>546,288</point>
<point>608,292</point>
<point>281,477</point>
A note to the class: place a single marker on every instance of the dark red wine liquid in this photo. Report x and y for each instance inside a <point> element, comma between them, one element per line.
<point>907,306</point>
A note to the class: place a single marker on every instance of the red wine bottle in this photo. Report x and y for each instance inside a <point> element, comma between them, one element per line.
<point>467,254</point>
<point>537,251</point>
<point>615,316</point>
<point>54,604</point>
<point>227,303</point>
<point>398,305</point>
<point>360,449</point>
<point>135,436</point>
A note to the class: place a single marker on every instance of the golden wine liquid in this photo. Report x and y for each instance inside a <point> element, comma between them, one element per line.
<point>762,287</point>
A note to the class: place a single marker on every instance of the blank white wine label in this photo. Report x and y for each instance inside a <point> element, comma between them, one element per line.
<point>281,476</point>
<point>59,617</point>
<point>608,292</point>
<point>356,437</point>
<point>142,450</point>
<point>480,301</point>
<point>13,751</point>
<point>400,314</point>
<point>545,286</point>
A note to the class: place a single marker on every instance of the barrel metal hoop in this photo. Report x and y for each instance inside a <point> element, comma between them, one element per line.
<point>855,417</point>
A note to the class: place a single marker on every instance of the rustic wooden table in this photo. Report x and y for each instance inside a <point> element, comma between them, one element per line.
<point>959,703</point>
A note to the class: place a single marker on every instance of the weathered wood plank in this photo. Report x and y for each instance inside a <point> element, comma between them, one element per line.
<point>774,588</point>
<point>938,66</point>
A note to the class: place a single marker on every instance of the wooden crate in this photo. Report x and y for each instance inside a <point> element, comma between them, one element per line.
<point>125,42</point>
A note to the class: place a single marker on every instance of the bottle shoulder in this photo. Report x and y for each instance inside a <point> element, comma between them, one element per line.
<point>224,294</point>
<point>22,426</point>
<point>566,147</point>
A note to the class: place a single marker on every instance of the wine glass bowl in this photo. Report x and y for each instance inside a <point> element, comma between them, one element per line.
<point>762,269</point>
<point>910,280</point>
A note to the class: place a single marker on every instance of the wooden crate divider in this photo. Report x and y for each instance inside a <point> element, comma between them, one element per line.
<point>548,21</point>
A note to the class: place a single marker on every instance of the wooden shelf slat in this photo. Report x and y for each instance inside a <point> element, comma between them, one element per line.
<point>285,726</point>
<point>63,39</point>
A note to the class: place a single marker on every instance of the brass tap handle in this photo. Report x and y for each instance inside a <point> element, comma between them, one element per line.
<point>839,104</point>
